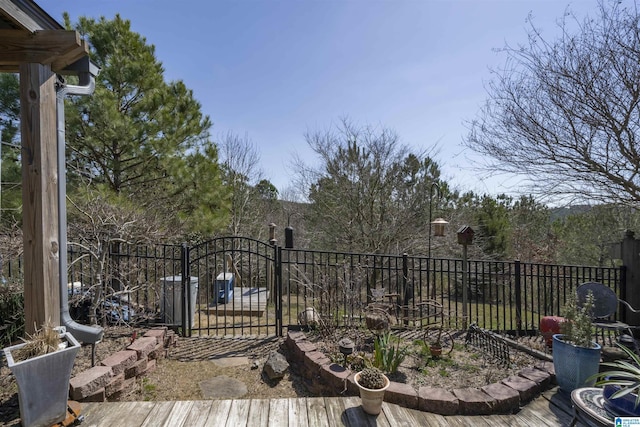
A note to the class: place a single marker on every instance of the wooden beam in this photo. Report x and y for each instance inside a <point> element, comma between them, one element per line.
<point>39,195</point>
<point>18,16</point>
<point>57,48</point>
<point>73,55</point>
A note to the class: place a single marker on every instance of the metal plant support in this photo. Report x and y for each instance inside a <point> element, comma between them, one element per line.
<point>488,342</point>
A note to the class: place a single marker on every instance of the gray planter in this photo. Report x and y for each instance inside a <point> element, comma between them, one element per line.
<point>43,383</point>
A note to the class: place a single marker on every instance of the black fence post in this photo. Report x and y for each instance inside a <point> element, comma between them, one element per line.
<point>186,292</point>
<point>288,237</point>
<point>622,285</point>
<point>405,274</point>
<point>271,285</point>
<point>518,292</point>
<point>114,263</point>
<point>406,294</point>
<point>278,288</point>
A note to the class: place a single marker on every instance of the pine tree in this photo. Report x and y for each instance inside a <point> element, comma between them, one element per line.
<point>142,137</point>
<point>10,193</point>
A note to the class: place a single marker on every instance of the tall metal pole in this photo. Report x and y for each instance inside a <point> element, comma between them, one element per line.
<point>434,186</point>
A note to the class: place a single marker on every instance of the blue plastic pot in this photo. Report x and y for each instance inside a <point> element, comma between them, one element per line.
<point>573,365</point>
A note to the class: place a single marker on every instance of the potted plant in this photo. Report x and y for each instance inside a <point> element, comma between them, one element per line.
<point>435,346</point>
<point>621,383</point>
<point>437,343</point>
<point>42,367</point>
<point>576,356</point>
<point>372,384</point>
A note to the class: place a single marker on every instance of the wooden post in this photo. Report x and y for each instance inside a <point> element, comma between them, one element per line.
<point>39,195</point>
<point>630,248</point>
<point>465,238</point>
<point>465,284</point>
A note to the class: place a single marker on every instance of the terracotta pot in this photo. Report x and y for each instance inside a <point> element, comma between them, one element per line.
<point>436,350</point>
<point>550,326</point>
<point>371,398</point>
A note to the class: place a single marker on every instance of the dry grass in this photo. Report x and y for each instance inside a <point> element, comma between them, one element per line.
<point>45,340</point>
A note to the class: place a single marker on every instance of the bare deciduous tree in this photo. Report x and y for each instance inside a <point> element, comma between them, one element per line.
<point>369,192</point>
<point>241,162</point>
<point>99,223</point>
<point>566,113</point>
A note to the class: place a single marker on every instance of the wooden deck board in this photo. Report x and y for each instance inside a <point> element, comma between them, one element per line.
<point>427,418</point>
<point>549,409</point>
<point>505,421</point>
<point>198,414</point>
<point>298,413</point>
<point>218,412</point>
<point>468,420</point>
<point>335,409</point>
<point>245,302</point>
<point>316,412</point>
<point>118,413</point>
<point>238,412</point>
<point>399,416</point>
<point>546,413</point>
<point>259,413</point>
<point>159,415</point>
<point>354,415</point>
<point>178,414</point>
<point>279,412</point>
<point>559,403</point>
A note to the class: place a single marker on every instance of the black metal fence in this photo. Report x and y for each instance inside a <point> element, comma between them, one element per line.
<point>503,296</point>
<point>178,285</point>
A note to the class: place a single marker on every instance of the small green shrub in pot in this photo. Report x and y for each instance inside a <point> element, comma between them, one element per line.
<point>576,356</point>
<point>577,329</point>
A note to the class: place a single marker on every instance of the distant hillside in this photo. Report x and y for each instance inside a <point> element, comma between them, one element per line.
<point>560,213</point>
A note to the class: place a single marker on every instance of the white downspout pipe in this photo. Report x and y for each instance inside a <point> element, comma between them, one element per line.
<point>84,333</point>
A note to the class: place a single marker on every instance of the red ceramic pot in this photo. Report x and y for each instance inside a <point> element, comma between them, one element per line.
<point>549,326</point>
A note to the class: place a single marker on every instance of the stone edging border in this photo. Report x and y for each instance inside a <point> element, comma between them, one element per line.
<point>116,374</point>
<point>325,378</point>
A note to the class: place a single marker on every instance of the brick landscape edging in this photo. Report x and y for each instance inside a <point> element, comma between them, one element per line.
<point>324,378</point>
<point>115,375</point>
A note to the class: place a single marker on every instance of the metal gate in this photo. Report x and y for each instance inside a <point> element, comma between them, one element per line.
<point>236,287</point>
<point>242,286</point>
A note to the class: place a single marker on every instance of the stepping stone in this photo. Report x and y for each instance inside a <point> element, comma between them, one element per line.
<point>229,362</point>
<point>222,387</point>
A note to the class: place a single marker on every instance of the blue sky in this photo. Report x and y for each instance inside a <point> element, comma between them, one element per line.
<point>274,69</point>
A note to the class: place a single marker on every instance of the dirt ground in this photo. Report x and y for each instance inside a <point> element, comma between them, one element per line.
<point>194,360</point>
<point>178,376</point>
<point>197,359</point>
